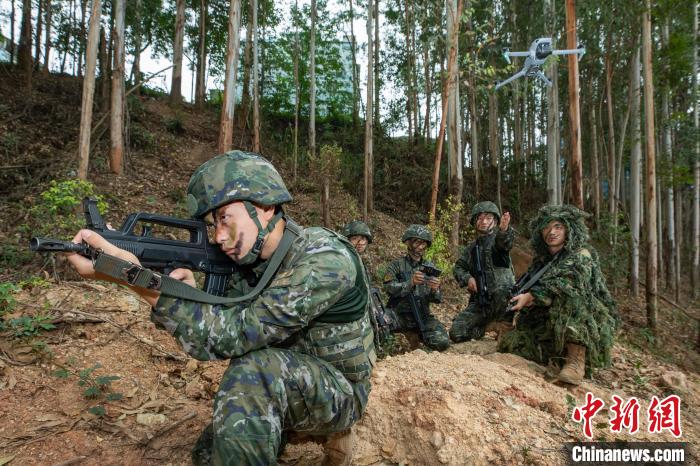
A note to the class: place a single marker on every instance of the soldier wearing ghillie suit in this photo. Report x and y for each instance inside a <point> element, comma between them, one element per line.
<point>383,319</point>
<point>493,244</point>
<point>568,317</point>
<point>403,278</point>
<point>301,348</point>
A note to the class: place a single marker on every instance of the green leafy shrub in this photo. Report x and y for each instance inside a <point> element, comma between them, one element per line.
<point>93,387</point>
<point>31,326</point>
<point>58,213</point>
<point>140,137</point>
<point>439,251</point>
<point>175,124</point>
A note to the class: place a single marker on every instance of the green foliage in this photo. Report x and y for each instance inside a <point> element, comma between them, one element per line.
<point>30,326</point>
<point>613,242</point>
<point>93,387</point>
<point>7,300</point>
<point>175,124</point>
<point>58,214</point>
<point>140,137</point>
<point>439,251</point>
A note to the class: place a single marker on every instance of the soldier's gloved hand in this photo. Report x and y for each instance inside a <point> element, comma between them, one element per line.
<point>505,221</point>
<point>521,301</point>
<point>418,278</point>
<point>471,285</point>
<point>185,276</point>
<point>434,283</point>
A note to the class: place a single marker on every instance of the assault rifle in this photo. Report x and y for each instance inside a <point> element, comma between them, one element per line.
<point>523,285</point>
<point>418,305</point>
<point>384,320</point>
<point>482,288</point>
<point>162,254</point>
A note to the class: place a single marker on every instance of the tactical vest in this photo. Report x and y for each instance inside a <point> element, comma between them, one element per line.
<point>343,334</point>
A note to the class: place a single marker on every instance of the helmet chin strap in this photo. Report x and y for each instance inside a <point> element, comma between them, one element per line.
<point>254,253</point>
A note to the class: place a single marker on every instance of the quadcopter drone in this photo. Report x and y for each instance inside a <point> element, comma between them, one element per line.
<point>539,50</point>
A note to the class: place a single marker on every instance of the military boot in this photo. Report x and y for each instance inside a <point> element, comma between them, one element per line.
<point>339,448</point>
<point>575,367</point>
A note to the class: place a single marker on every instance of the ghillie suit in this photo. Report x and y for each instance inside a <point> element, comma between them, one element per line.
<point>572,305</point>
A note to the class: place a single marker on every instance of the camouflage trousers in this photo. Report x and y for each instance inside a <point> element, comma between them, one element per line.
<point>542,333</point>
<point>269,391</point>
<point>470,324</point>
<point>435,333</point>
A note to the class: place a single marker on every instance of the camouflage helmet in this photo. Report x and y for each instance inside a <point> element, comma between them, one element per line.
<point>417,231</point>
<point>234,176</point>
<point>487,207</point>
<point>357,228</point>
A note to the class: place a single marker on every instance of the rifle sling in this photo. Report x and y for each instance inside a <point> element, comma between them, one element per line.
<point>537,275</point>
<point>138,276</point>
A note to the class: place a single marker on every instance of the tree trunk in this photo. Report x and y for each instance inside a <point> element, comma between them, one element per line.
<point>636,169</point>
<point>474,137</point>
<point>595,166</point>
<point>408,75</point>
<point>12,31</point>
<point>312,83</point>
<point>368,198</point>
<point>178,42</point>
<point>696,189</point>
<point>428,92</point>
<point>493,132</point>
<point>451,63</point>
<point>37,42</point>
<point>574,112</point>
<point>297,90</point>
<point>355,77</point>
<point>116,152</point>
<point>376,82</point>
<point>201,87</point>
<point>247,51</point>
<point>81,42</point>
<point>137,48</point>
<point>88,89</point>
<point>454,126</point>
<point>25,46</point>
<point>256,93</point>
<point>104,72</point>
<point>651,277</point>
<point>47,44</point>
<point>228,105</point>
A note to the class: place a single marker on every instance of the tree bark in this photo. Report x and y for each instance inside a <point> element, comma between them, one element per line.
<point>451,63</point>
<point>256,90</point>
<point>37,42</point>
<point>25,46</point>
<point>247,52</point>
<point>376,83</point>
<point>454,126</point>
<point>88,90</point>
<point>297,90</point>
<point>636,169</point>
<point>81,41</point>
<point>201,86</point>
<point>228,104</point>
<point>367,205</point>
<point>116,132</point>
<point>553,140</point>
<point>12,31</point>
<point>696,191</point>
<point>136,69</point>
<point>595,165</point>
<point>651,276</point>
<point>312,83</point>
<point>47,44</point>
<point>178,43</point>
<point>355,77</point>
<point>574,111</point>
<point>104,72</point>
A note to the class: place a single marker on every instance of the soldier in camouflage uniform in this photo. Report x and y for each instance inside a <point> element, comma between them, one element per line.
<point>403,277</point>
<point>568,317</point>
<point>494,241</point>
<point>383,319</point>
<point>301,350</point>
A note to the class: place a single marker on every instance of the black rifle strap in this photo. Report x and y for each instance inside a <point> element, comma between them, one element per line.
<point>138,276</point>
<point>537,275</point>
